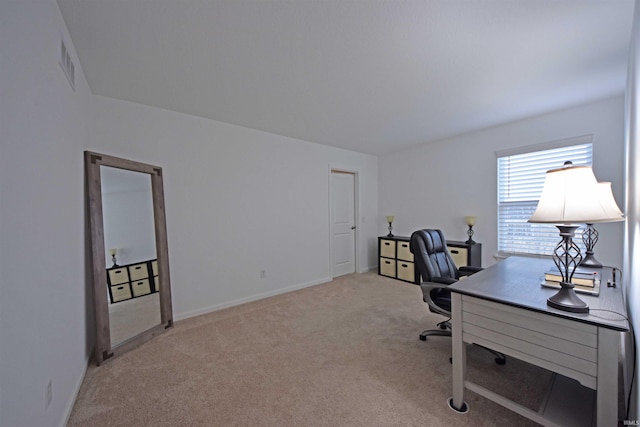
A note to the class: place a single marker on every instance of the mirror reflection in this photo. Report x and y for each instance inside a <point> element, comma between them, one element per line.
<point>130,253</point>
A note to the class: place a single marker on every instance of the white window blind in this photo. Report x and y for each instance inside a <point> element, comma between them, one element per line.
<point>520,181</point>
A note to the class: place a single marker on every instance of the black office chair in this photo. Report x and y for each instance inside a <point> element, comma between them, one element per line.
<point>437,271</point>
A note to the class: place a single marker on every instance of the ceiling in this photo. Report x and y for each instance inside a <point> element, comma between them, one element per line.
<point>372,76</point>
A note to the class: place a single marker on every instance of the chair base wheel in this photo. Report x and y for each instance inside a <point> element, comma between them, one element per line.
<point>462,410</point>
<point>500,361</point>
<point>423,338</point>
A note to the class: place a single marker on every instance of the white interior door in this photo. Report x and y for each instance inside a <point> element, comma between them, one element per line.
<point>343,222</point>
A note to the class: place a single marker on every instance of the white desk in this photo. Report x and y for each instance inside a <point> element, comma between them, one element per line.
<point>504,308</point>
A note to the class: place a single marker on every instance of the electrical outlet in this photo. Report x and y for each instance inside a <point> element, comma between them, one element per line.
<point>263,274</point>
<point>48,394</point>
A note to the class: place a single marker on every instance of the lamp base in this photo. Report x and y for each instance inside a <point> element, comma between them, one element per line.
<point>470,234</point>
<point>590,261</point>
<point>567,300</point>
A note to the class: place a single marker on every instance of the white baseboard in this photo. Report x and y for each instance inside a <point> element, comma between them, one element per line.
<point>221,306</point>
<point>76,391</point>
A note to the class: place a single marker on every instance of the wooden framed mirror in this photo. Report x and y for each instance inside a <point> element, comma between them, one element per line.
<point>129,253</point>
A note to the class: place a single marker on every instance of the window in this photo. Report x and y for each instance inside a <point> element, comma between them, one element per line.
<point>521,177</point>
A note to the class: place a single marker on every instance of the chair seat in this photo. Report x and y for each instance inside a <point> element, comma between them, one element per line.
<point>442,298</point>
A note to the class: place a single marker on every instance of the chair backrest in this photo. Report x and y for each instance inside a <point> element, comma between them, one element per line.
<point>431,255</point>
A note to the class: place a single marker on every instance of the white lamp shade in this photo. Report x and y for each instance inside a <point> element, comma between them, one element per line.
<point>471,220</point>
<point>608,203</point>
<point>390,218</point>
<point>572,195</point>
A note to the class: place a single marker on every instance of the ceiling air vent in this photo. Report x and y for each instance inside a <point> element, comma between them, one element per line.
<point>67,65</point>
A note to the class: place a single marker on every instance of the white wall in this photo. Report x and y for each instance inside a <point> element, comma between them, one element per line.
<point>238,201</point>
<point>631,271</point>
<point>128,226</point>
<point>44,317</point>
<point>437,185</point>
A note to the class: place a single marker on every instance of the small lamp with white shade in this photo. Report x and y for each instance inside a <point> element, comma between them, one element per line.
<point>590,235</point>
<point>113,253</point>
<point>390,219</point>
<point>471,221</point>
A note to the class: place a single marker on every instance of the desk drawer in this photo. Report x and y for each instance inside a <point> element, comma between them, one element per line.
<point>388,248</point>
<point>406,271</point>
<point>141,287</point>
<point>388,267</point>
<point>119,275</point>
<point>404,253</point>
<point>120,292</point>
<point>139,271</point>
<point>460,256</point>
<point>560,345</point>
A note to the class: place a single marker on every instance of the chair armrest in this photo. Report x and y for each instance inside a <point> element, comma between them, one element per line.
<point>443,280</point>
<point>427,287</point>
<point>469,270</point>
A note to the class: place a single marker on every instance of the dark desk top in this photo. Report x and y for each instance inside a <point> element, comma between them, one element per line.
<point>516,281</point>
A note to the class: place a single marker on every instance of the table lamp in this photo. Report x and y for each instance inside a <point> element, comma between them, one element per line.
<point>390,219</point>
<point>471,221</point>
<point>571,196</point>
<point>113,253</point>
<point>590,235</point>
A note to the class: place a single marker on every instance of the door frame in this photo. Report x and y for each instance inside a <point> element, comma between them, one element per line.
<point>356,214</point>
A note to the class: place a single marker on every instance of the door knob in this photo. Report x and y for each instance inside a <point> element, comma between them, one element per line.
<point>353,227</point>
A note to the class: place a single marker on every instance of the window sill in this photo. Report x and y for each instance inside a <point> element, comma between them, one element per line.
<point>501,256</point>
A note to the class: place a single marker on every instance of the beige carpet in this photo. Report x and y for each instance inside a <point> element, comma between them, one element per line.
<point>344,353</point>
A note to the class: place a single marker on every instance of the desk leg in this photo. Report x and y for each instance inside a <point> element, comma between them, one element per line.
<point>459,355</point>
<point>607,393</point>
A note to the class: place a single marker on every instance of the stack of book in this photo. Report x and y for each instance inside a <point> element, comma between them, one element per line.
<point>584,280</point>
